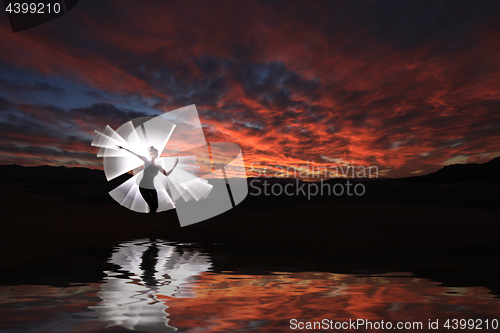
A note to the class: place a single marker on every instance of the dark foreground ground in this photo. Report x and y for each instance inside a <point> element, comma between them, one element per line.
<point>59,232</point>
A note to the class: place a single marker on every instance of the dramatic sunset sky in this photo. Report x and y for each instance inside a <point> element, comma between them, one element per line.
<point>408,86</point>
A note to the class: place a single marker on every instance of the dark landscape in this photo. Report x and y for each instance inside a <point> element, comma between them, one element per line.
<point>59,224</point>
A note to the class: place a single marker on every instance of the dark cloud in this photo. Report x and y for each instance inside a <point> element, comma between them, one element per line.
<point>50,133</point>
<point>416,23</point>
<point>273,82</point>
<point>5,104</point>
<point>101,114</point>
<point>27,88</point>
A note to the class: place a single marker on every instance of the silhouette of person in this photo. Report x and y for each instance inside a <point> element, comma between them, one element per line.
<point>151,169</point>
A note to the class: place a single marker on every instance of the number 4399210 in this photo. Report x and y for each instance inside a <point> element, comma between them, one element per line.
<point>33,8</point>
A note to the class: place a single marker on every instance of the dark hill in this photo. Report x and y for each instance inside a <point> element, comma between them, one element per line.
<point>486,172</point>
<point>47,173</point>
<point>471,172</point>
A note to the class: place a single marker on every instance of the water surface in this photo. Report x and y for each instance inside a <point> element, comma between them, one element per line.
<point>159,286</point>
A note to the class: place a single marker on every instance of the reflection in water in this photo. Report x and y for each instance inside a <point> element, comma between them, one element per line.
<point>151,268</point>
<point>155,277</point>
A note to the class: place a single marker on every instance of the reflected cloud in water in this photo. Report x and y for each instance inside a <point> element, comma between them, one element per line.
<point>147,268</point>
